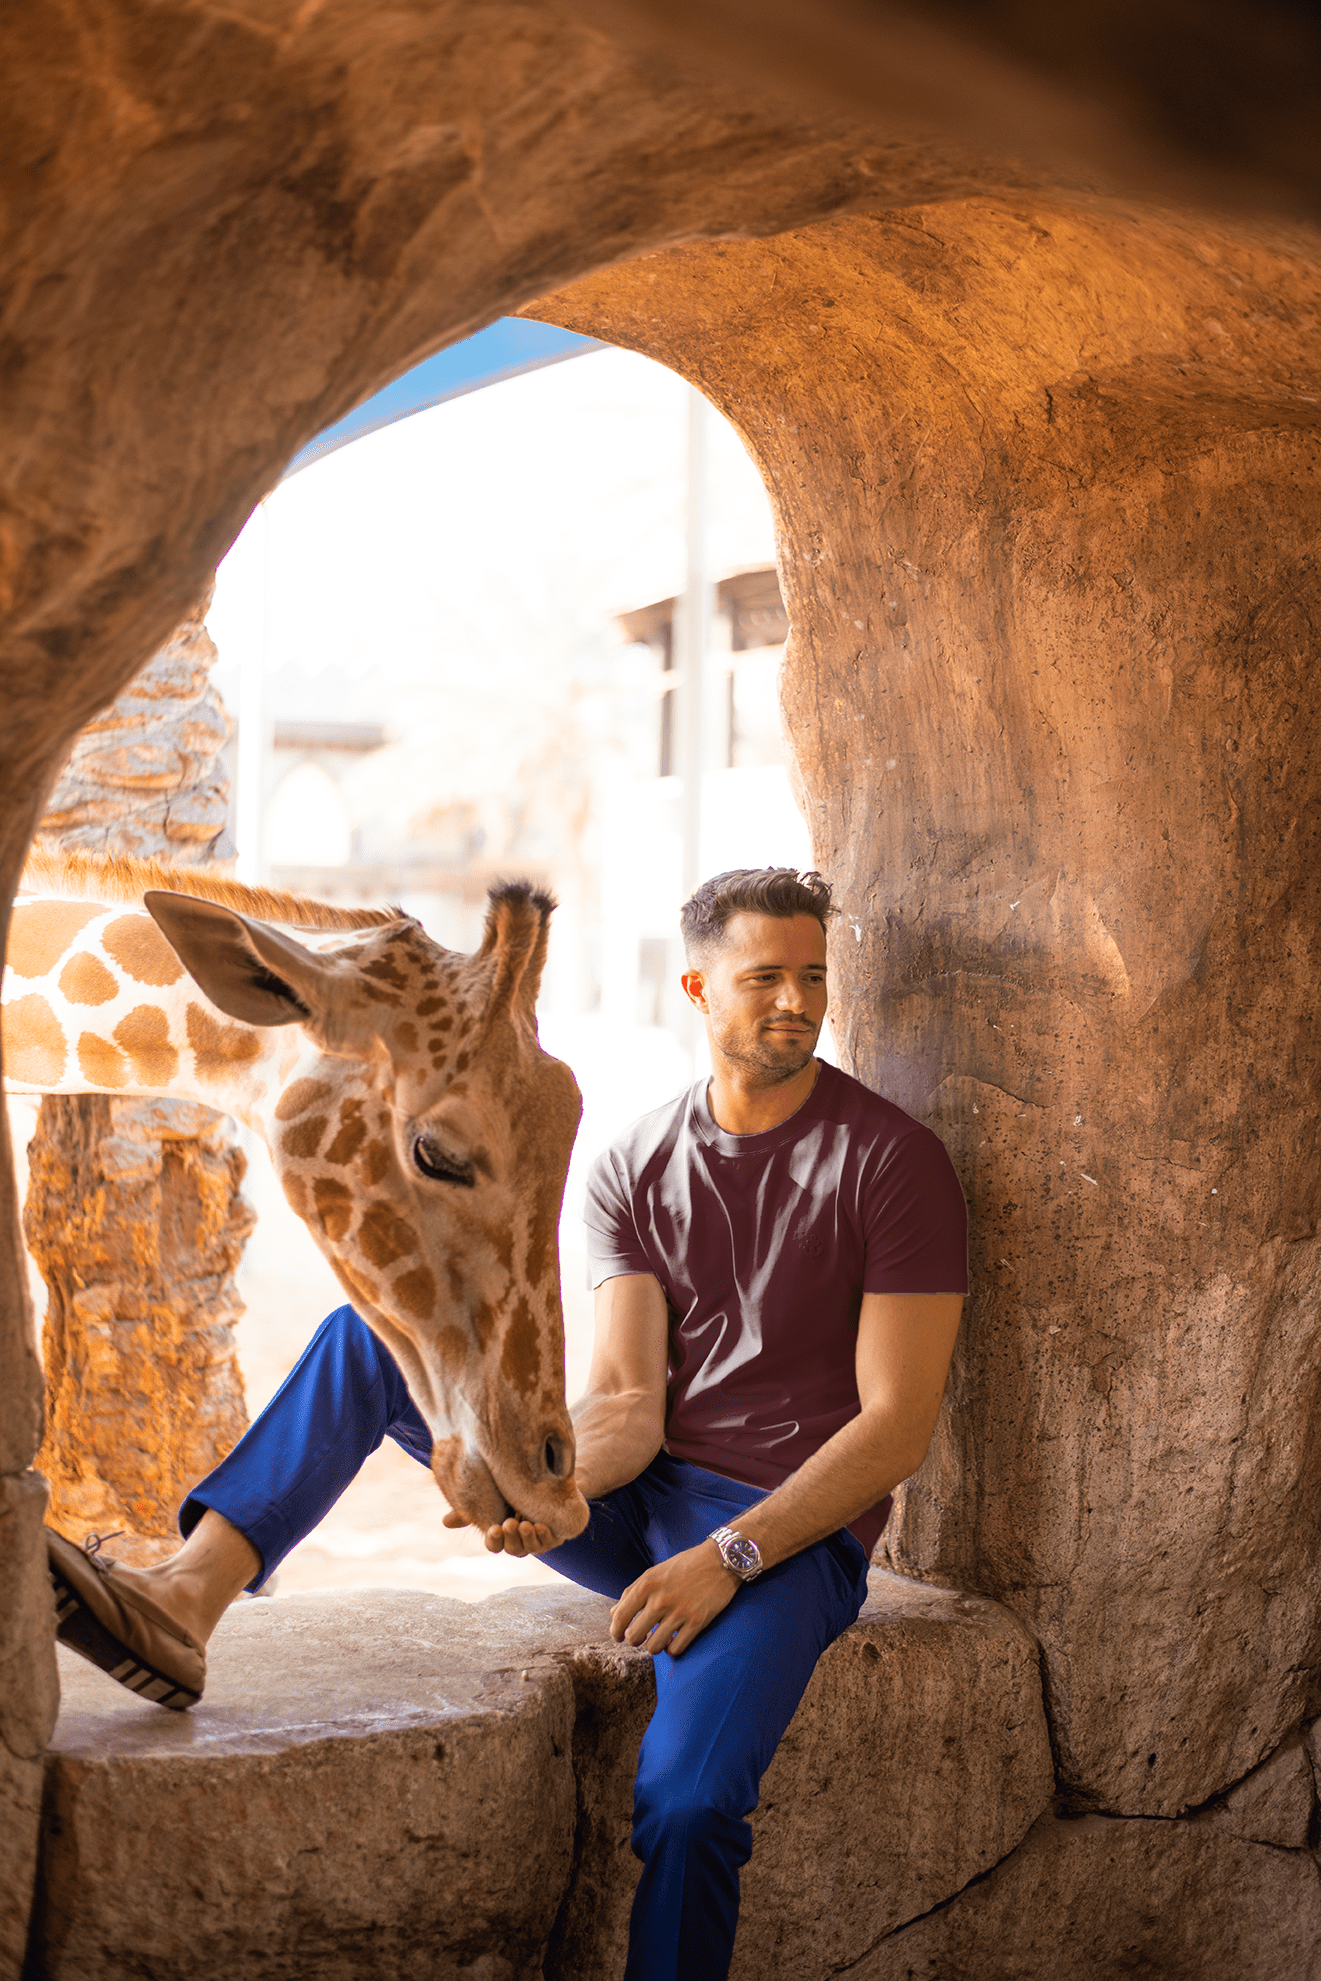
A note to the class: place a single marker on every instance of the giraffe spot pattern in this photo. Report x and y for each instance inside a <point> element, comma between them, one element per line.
<point>416,1292</point>
<point>41,931</point>
<point>384,1236</point>
<point>334,1206</point>
<point>85,980</point>
<point>300,1097</point>
<point>351,1136</point>
<point>145,1037</point>
<point>386,970</point>
<point>101,1063</point>
<point>361,1288</point>
<point>140,949</point>
<point>520,1358</point>
<point>218,1048</point>
<point>376,1160</point>
<point>453,1346</point>
<point>304,1138</point>
<point>539,1259</point>
<point>485,1321</point>
<point>427,1005</point>
<point>34,1048</point>
<point>406,1035</point>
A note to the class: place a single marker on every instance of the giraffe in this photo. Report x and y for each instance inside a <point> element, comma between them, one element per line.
<point>414,1122</point>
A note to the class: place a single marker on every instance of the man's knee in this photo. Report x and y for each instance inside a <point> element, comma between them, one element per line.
<point>345,1326</point>
<point>680,1817</point>
<point>345,1342</point>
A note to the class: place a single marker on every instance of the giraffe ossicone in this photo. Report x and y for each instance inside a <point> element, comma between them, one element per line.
<point>414,1121</point>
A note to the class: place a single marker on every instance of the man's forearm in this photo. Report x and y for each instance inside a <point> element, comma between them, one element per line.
<point>851,1472</point>
<point>617,1437</point>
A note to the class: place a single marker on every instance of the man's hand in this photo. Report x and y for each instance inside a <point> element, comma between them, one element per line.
<point>513,1537</point>
<point>674,1601</point>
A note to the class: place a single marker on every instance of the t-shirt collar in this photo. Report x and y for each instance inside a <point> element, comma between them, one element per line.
<point>708,1130</point>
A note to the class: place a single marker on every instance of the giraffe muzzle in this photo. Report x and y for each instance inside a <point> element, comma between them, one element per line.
<point>475,1489</point>
<point>557,1456</point>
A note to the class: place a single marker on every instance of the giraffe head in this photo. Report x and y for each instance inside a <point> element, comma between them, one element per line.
<point>424,1137</point>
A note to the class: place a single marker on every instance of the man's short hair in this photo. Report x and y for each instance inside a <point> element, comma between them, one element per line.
<point>779,891</point>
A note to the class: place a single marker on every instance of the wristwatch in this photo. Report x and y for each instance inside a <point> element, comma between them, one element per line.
<point>738,1553</point>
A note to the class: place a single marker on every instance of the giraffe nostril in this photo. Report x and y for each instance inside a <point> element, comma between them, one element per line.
<point>557,1458</point>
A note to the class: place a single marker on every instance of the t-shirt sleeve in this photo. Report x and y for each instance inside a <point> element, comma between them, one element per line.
<point>915,1220</point>
<point>613,1246</point>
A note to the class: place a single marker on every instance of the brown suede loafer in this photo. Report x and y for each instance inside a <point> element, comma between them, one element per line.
<point>118,1628</point>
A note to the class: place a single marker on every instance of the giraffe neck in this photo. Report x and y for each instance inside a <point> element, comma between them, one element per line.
<point>96,1002</point>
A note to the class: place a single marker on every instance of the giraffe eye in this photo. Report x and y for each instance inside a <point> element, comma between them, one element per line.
<point>435,1162</point>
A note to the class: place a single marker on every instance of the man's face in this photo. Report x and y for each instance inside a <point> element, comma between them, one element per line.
<point>764,993</point>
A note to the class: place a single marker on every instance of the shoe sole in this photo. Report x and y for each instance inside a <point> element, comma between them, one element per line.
<point>84,1633</point>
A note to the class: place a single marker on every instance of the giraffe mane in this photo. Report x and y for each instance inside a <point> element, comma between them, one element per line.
<point>114,877</point>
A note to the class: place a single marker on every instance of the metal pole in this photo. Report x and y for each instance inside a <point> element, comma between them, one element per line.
<point>692,640</point>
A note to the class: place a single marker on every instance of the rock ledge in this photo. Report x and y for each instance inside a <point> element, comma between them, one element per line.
<point>396,1784</point>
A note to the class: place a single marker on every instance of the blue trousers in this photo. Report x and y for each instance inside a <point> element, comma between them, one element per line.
<point>721,1708</point>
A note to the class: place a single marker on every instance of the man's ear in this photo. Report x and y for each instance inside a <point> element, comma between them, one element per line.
<point>247,969</point>
<point>694,984</point>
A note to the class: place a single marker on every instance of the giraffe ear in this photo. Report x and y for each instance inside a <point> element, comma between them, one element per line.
<point>247,969</point>
<point>517,932</point>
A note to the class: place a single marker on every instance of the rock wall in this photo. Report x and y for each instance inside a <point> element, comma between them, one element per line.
<point>1106,1896</point>
<point>134,1213</point>
<point>1047,493</point>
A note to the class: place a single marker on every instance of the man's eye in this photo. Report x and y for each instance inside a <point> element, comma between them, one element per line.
<point>437,1163</point>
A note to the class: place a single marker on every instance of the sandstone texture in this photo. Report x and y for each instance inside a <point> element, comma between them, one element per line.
<point>1107,1897</point>
<point>1048,550</point>
<point>135,1217</point>
<point>144,777</point>
<point>1276,1802</point>
<point>371,1786</point>
<point>372,1783</point>
<point>1018,310</point>
<point>28,1700</point>
<point>134,1213</point>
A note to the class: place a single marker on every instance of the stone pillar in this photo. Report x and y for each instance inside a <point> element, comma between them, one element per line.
<point>134,1213</point>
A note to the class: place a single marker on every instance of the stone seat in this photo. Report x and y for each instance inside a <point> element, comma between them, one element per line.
<point>395,1784</point>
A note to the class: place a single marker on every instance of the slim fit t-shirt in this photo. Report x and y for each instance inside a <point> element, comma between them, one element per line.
<point>764,1246</point>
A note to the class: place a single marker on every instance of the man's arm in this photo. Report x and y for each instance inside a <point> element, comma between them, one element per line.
<point>619,1422</point>
<point>905,1341</point>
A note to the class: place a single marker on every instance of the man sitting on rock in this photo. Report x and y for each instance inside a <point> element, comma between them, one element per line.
<point>779,1258</point>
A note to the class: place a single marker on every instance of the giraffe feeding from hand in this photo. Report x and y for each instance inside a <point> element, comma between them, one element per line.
<point>414,1121</point>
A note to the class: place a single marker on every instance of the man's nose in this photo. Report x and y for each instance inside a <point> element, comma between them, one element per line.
<point>791,998</point>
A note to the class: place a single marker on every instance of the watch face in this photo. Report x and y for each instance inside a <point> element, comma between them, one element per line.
<point>742,1555</point>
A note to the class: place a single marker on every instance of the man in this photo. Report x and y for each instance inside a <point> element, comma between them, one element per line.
<point>779,1259</point>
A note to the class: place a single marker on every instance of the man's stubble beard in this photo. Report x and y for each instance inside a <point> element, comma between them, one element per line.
<point>755,1056</point>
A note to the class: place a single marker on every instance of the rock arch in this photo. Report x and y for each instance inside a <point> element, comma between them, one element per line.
<point>1043,449</point>
<point>1044,483</point>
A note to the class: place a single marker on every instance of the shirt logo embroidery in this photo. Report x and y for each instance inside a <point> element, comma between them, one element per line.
<point>810,1244</point>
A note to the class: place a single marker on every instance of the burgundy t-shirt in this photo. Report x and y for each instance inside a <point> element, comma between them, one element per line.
<point>765,1245</point>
